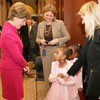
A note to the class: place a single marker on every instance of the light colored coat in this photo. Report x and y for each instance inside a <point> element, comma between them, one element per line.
<point>59,32</point>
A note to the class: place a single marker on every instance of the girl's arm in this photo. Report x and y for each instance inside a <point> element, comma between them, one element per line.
<point>39,39</point>
<point>70,82</point>
<point>53,75</point>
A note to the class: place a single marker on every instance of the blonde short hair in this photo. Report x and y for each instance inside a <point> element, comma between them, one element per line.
<point>91,11</point>
<point>50,8</point>
<point>18,10</point>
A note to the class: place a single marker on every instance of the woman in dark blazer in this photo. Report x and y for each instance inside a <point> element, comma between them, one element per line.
<point>90,55</point>
<point>51,33</point>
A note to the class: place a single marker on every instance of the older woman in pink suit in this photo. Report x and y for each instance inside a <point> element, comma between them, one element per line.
<point>12,62</point>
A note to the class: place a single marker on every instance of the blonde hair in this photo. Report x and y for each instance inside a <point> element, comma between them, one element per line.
<point>91,11</point>
<point>18,10</point>
<point>50,8</point>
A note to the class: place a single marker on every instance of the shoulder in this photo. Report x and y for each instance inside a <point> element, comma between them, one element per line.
<point>69,63</point>
<point>54,64</point>
<point>34,25</point>
<point>58,21</point>
<point>41,23</point>
<point>74,60</point>
<point>7,33</point>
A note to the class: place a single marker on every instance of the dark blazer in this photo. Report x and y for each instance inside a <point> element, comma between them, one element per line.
<point>89,57</point>
<point>25,39</point>
<point>32,36</point>
<point>24,33</point>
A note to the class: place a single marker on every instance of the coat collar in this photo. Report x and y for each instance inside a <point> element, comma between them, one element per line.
<point>53,28</point>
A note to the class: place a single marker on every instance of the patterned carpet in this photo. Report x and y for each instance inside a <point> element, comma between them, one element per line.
<point>40,90</point>
<point>29,89</point>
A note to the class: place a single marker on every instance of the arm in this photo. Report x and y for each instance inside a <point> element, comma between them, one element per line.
<point>39,40</point>
<point>69,82</point>
<point>13,49</point>
<point>53,76</point>
<point>76,66</point>
<point>82,59</point>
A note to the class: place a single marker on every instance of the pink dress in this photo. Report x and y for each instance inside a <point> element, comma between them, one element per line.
<point>11,63</point>
<point>61,89</point>
<point>78,76</point>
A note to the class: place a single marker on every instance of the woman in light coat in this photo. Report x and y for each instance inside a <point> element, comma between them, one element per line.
<point>51,33</point>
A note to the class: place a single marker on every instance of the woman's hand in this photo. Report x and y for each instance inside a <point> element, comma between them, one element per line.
<point>26,69</point>
<point>60,75</point>
<point>80,89</point>
<point>43,42</point>
<point>53,42</point>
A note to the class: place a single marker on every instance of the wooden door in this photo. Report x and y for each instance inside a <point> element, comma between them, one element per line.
<point>73,21</point>
<point>59,4</point>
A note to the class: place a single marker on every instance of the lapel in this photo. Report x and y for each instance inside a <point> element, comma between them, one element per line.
<point>42,29</point>
<point>53,29</point>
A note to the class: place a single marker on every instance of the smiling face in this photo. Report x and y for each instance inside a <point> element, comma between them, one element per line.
<point>18,23</point>
<point>48,16</point>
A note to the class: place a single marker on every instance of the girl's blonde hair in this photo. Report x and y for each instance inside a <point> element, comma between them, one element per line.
<point>18,10</point>
<point>50,8</point>
<point>91,11</point>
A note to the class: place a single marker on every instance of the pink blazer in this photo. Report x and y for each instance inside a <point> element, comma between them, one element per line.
<point>11,48</point>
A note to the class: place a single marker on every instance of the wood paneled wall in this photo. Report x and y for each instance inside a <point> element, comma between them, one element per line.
<point>3,12</point>
<point>73,21</point>
<point>59,4</point>
<point>50,1</point>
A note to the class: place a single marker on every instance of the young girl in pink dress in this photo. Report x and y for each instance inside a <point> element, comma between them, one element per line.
<point>61,89</point>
